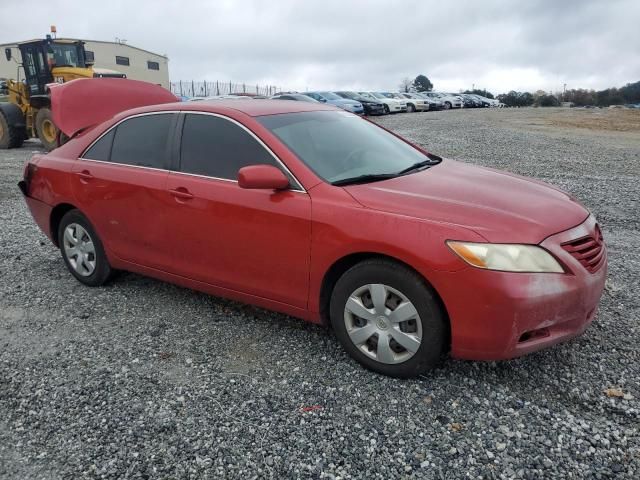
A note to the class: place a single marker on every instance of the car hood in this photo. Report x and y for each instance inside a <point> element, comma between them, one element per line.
<point>502,207</point>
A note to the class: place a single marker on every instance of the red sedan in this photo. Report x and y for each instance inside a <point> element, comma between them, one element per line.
<point>312,211</point>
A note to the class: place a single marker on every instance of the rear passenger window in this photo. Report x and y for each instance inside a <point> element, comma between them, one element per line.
<point>216,147</point>
<point>101,149</point>
<point>143,141</point>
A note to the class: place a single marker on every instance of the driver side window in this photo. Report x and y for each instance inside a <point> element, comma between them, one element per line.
<point>215,147</point>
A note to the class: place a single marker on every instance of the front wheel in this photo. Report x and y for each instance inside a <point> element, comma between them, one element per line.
<point>388,319</point>
<point>386,109</point>
<point>447,105</point>
<point>411,108</point>
<point>82,250</point>
<point>46,129</point>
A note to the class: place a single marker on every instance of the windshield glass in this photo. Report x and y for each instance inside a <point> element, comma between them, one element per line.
<point>339,145</point>
<point>379,95</point>
<point>330,95</point>
<point>64,54</point>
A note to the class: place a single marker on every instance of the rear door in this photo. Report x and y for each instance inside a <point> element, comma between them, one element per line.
<point>251,241</point>
<point>120,183</point>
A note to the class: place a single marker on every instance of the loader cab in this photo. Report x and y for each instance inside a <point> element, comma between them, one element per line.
<point>41,57</point>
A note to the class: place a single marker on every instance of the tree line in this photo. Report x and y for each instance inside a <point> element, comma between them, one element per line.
<point>580,97</point>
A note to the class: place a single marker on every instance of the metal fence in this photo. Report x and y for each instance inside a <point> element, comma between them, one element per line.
<point>207,89</point>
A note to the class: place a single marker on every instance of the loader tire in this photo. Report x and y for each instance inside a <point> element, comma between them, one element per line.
<point>10,135</point>
<point>46,129</point>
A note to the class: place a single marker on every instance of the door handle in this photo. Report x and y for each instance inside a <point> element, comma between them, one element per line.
<point>181,193</point>
<point>85,175</point>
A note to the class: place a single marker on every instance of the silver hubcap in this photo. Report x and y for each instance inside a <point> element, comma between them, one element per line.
<point>79,249</point>
<point>383,323</point>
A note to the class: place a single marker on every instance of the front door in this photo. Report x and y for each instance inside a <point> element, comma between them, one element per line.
<point>251,241</point>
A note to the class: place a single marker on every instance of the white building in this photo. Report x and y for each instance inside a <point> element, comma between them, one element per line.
<point>136,63</point>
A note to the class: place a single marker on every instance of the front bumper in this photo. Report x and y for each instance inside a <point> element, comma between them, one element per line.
<point>501,315</point>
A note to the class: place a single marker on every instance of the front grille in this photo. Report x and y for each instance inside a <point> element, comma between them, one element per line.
<point>589,250</point>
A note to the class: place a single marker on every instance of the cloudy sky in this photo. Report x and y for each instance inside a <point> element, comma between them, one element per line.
<point>369,44</point>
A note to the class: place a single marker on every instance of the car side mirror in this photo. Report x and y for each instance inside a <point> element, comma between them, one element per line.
<point>323,100</point>
<point>7,53</point>
<point>263,177</point>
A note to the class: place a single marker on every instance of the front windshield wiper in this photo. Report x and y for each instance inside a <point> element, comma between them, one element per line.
<point>372,177</point>
<point>419,166</point>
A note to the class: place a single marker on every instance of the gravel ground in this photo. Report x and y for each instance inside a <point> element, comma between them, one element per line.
<point>141,379</point>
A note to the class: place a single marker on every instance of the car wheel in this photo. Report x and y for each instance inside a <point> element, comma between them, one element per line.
<point>411,108</point>
<point>46,129</point>
<point>447,105</point>
<point>386,109</point>
<point>388,319</point>
<point>82,250</point>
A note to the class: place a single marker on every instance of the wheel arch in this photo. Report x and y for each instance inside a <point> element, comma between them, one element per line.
<point>57,213</point>
<point>341,265</point>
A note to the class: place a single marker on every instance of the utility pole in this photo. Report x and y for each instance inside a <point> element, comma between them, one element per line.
<point>564,92</point>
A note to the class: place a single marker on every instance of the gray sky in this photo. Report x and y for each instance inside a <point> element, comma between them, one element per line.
<point>495,44</point>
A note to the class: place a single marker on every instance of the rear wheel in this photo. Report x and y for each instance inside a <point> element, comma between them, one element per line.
<point>10,135</point>
<point>411,108</point>
<point>46,129</point>
<point>447,105</point>
<point>82,250</point>
<point>388,319</point>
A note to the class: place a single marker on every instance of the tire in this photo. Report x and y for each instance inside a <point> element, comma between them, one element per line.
<point>424,332</point>
<point>447,105</point>
<point>411,108</point>
<point>93,269</point>
<point>46,129</point>
<point>386,109</point>
<point>10,135</point>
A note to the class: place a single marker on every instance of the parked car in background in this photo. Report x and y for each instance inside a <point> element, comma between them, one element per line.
<point>294,96</point>
<point>483,102</point>
<point>434,102</point>
<point>415,103</point>
<point>470,101</point>
<point>398,98</point>
<point>448,101</point>
<point>333,99</point>
<point>321,215</point>
<point>371,107</point>
<point>391,105</point>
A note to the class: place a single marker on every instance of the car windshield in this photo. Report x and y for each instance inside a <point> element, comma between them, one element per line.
<point>340,145</point>
<point>330,95</point>
<point>379,95</point>
<point>351,95</point>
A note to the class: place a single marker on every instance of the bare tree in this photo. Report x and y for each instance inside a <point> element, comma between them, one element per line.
<point>406,85</point>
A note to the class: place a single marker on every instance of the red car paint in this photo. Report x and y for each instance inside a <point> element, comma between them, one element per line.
<point>84,102</point>
<point>274,249</point>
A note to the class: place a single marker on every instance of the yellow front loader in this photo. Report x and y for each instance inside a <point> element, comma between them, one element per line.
<point>27,113</point>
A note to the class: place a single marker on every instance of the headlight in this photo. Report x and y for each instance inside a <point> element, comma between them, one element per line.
<point>506,257</point>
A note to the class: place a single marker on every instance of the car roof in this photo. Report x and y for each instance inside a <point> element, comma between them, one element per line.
<point>253,108</point>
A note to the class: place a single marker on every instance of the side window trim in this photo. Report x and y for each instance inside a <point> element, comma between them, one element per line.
<point>297,187</point>
<point>169,148</point>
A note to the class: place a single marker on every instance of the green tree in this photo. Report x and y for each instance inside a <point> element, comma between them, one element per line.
<point>422,84</point>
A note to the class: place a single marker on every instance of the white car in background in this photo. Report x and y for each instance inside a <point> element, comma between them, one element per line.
<point>415,103</point>
<point>391,105</point>
<point>448,101</point>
